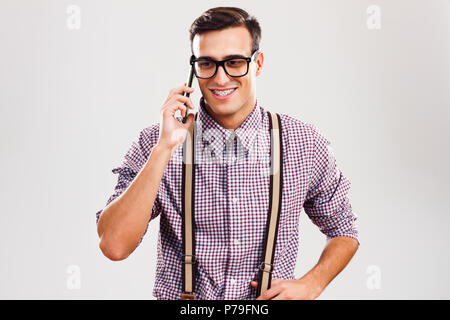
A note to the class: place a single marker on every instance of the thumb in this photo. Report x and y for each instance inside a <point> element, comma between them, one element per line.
<point>189,121</point>
<point>254,284</point>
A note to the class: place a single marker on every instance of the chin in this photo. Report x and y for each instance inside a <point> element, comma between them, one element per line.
<point>223,108</point>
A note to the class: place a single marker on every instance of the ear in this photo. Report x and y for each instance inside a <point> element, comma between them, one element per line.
<point>259,63</point>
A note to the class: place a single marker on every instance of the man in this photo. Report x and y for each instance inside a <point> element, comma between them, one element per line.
<point>231,183</point>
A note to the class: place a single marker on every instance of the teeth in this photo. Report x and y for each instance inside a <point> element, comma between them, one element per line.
<point>223,93</point>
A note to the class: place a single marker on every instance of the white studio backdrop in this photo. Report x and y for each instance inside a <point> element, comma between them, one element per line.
<point>80,79</point>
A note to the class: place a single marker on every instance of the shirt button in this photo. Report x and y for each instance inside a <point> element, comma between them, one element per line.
<point>235,200</point>
<point>236,241</point>
<point>233,281</point>
<point>234,159</point>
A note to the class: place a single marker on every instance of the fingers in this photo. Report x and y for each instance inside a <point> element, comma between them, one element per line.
<point>189,121</point>
<point>184,99</point>
<point>177,102</point>
<point>178,98</point>
<point>172,108</point>
<point>273,282</point>
<point>181,90</point>
<point>281,296</point>
<point>269,294</point>
<point>175,97</point>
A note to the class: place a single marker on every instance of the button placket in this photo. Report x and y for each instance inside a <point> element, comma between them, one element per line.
<point>230,147</point>
<point>235,219</point>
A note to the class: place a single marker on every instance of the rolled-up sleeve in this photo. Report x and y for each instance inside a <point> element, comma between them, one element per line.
<point>327,203</point>
<point>134,159</point>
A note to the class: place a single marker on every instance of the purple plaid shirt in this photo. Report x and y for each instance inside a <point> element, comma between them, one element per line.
<point>232,201</point>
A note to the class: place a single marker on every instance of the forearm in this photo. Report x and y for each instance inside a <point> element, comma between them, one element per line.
<point>335,256</point>
<point>123,222</point>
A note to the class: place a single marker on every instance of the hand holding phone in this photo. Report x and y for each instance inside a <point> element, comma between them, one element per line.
<point>172,131</point>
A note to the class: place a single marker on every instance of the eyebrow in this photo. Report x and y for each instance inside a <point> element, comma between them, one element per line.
<point>226,57</point>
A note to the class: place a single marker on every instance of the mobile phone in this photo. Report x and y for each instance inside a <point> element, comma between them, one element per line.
<point>187,94</point>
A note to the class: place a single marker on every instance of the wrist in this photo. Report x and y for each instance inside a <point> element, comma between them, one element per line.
<point>163,149</point>
<point>314,281</point>
<point>160,153</point>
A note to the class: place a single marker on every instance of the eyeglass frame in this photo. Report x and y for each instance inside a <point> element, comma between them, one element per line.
<point>221,63</point>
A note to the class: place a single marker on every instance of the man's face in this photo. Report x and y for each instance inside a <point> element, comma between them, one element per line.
<point>218,45</point>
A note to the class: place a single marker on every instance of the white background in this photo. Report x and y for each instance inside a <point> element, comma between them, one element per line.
<point>72,100</point>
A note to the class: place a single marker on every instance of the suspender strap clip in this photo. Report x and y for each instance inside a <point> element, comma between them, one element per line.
<point>187,296</point>
<point>189,259</point>
<point>266,267</point>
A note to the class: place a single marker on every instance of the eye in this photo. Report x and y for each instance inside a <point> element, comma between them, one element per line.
<point>204,64</point>
<point>235,62</point>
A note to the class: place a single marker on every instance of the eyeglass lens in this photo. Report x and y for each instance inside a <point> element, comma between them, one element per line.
<point>235,67</point>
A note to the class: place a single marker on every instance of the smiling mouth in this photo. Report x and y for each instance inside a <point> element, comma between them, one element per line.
<point>223,92</point>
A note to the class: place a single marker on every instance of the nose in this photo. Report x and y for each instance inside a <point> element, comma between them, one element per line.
<point>221,76</point>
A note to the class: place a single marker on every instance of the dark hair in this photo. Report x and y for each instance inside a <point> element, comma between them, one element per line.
<point>225,17</point>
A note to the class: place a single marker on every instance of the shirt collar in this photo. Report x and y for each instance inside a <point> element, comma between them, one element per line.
<point>214,135</point>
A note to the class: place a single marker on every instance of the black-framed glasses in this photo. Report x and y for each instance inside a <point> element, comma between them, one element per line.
<point>235,66</point>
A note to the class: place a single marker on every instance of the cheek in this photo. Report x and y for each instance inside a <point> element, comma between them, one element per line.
<point>203,88</point>
<point>245,86</point>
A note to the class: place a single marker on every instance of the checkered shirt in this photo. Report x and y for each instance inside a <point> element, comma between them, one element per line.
<point>232,179</point>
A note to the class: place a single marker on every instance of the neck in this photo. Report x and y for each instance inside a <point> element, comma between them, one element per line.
<point>233,120</point>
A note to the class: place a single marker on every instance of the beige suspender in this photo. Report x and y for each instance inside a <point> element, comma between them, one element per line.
<point>266,266</point>
<point>187,214</point>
